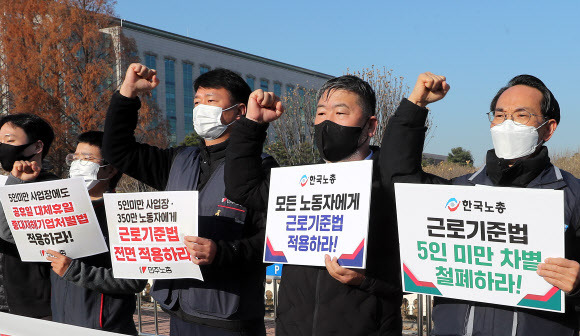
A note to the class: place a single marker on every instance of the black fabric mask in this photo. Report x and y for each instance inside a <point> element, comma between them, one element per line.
<point>10,154</point>
<point>336,142</point>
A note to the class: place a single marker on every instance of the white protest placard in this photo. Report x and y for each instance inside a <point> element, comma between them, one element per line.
<point>480,244</point>
<point>56,215</point>
<point>3,179</point>
<point>14,325</point>
<point>316,210</point>
<point>146,234</point>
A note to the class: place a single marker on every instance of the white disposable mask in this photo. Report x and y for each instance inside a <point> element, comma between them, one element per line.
<point>513,141</point>
<point>87,170</point>
<point>207,121</point>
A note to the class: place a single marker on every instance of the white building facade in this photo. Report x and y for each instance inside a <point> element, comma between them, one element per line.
<point>179,60</point>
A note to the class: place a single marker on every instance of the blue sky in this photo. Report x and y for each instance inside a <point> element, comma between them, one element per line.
<point>479,46</point>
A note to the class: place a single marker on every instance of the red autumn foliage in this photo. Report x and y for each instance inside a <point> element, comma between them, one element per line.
<point>61,59</point>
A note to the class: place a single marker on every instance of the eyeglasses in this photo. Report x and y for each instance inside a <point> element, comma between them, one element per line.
<point>84,159</point>
<point>521,117</point>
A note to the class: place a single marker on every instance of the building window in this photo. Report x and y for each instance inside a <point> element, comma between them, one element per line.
<point>203,69</point>
<point>170,98</point>
<point>250,81</point>
<point>289,90</point>
<point>278,89</point>
<point>188,97</point>
<point>264,84</point>
<point>151,63</point>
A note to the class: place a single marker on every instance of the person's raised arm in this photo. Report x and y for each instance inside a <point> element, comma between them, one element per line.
<point>402,146</point>
<point>146,163</point>
<point>246,173</point>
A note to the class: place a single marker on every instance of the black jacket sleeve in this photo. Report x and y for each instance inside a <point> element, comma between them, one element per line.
<point>247,176</point>
<point>402,147</point>
<point>572,244</point>
<point>380,288</point>
<point>143,162</point>
<point>101,279</point>
<point>248,251</point>
<point>247,180</point>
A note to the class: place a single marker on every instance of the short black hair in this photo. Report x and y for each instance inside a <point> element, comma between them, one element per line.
<point>223,78</point>
<point>549,104</point>
<point>366,94</point>
<point>34,126</point>
<point>95,138</point>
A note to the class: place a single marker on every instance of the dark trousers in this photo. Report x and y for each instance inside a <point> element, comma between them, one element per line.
<point>179,327</point>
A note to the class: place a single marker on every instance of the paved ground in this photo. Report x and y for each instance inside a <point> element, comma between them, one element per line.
<point>148,322</point>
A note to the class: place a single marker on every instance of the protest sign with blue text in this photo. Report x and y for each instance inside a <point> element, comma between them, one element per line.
<point>56,215</point>
<point>147,233</point>
<point>316,210</point>
<point>480,244</point>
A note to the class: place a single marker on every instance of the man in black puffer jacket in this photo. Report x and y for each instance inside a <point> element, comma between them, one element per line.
<point>332,300</point>
<point>525,105</point>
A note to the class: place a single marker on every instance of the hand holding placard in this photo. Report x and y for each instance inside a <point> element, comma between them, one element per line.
<point>58,262</point>
<point>560,272</point>
<point>353,277</point>
<point>202,250</point>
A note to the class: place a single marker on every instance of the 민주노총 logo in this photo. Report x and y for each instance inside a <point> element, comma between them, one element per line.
<point>452,204</point>
<point>154,270</point>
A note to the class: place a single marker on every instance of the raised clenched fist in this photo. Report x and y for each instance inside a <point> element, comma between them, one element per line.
<point>138,79</point>
<point>264,107</point>
<point>429,89</point>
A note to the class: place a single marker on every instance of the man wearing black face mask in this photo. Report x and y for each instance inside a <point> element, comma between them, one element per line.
<point>330,300</point>
<point>523,115</point>
<point>24,287</point>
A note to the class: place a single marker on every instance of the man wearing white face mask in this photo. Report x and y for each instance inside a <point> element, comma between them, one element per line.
<point>80,288</point>
<point>524,116</point>
<point>87,162</point>
<point>230,300</point>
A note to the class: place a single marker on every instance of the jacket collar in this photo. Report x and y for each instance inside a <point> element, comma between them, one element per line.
<point>549,178</point>
<point>519,173</point>
<point>215,152</point>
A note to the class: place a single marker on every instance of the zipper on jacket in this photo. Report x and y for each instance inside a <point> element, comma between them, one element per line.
<point>101,311</point>
<point>470,321</point>
<point>65,299</point>
<point>515,323</point>
<point>316,296</point>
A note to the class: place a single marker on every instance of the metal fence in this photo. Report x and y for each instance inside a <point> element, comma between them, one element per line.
<point>426,320</point>
<point>148,316</point>
<point>140,317</point>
